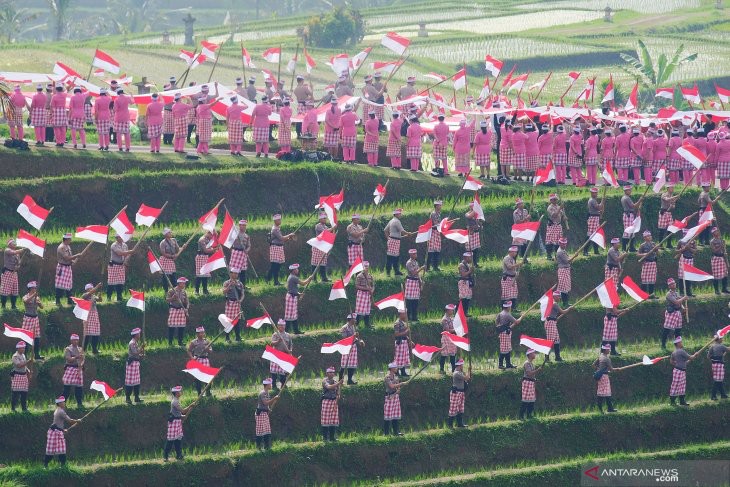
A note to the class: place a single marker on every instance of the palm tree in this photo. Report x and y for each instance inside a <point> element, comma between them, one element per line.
<point>644,70</point>
<point>59,11</point>
<point>13,21</point>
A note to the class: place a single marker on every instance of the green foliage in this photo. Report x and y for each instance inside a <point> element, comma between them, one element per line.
<point>650,75</point>
<point>342,27</point>
<point>13,21</point>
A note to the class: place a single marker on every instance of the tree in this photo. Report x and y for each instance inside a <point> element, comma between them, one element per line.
<point>59,11</point>
<point>13,22</point>
<point>644,70</point>
<point>339,28</point>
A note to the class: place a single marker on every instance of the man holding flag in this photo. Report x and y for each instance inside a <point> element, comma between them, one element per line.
<point>718,261</point>
<point>330,415</point>
<point>239,252</point>
<point>630,210</point>
<point>554,231</point>
<point>434,243</point>
<point>116,272</point>
<point>132,379</point>
<point>648,265</point>
<point>55,439</point>
<point>199,350</point>
<point>679,360</point>
<point>349,361</point>
<point>234,293</point>
<point>391,408</point>
<point>673,312</point>
<point>177,300</point>
<point>686,254</point>
<point>604,367</point>
<point>282,341</point>
<point>528,385</point>
<point>595,209</point>
<point>365,286</point>
<point>564,270</point>
<point>474,228</point>
<point>73,375</point>
<point>402,334</point>
<point>263,408</point>
<point>9,277</point>
<point>466,282</point>
<point>207,245</point>
<point>520,215</point>
<point>291,300</point>
<point>508,283</point>
<point>457,395</point>
<point>64,273</point>
<point>448,349</point>
<point>412,290</point>
<point>668,200</point>
<point>394,232</point>
<point>716,354</point>
<point>703,201</point>
<point>32,302</point>
<point>19,376</point>
<point>505,322</point>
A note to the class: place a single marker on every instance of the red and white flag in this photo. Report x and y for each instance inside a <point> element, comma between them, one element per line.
<point>634,228</point>
<point>722,93</point>
<point>268,75</point>
<point>66,71</point>
<point>424,232</point>
<point>692,154</point>
<point>191,59</point>
<point>203,373</point>
<point>340,63</point>
<point>282,359</point>
<point>425,352</point>
<point>694,231</point>
<point>334,200</point>
<point>359,58</point>
<point>152,261</point>
<point>517,83</point>
<point>35,245</point>
<point>608,174</point>
<point>208,49</point>
<point>721,332</point>
<point>573,77</point>
<point>461,326</point>
<point>691,273</point>
<point>460,235</point>
<point>324,241</point>
<point>477,207</point>
<point>227,323</point>
<point>354,269</point>
<point>606,292</point>
<point>435,76</point>
<point>379,194</point>
<point>217,260</point>
<point>291,66</point>
<point>136,300</point>
<point>537,344</point>
<point>461,342</point>
<point>634,290</point>
<point>106,390</point>
<point>123,226</point>
<point>272,54</point>
<point>667,93</point>
<point>692,95</point>
<point>678,225</point>
<point>546,304</point>
<point>338,290</point>
<point>104,61</point>
<point>385,66</point>
<point>599,237</point>
<point>472,184</point>
<point>19,333</point>
<point>609,94</point>
<point>526,231</point>
<point>309,62</point>
<point>632,104</point>
<point>257,323</point>
<point>146,215</point>
<point>493,65</point>
<point>209,220</point>
<point>545,174</point>
<point>229,232</point>
<point>330,211</point>
<point>459,79</point>
<point>33,213</point>
<point>396,43</point>
<point>651,361</point>
<point>396,301</point>
<point>95,233</point>
<point>81,308</point>
<point>485,89</point>
<point>247,58</point>
<point>342,346</point>
<point>661,180</point>
<point>708,215</point>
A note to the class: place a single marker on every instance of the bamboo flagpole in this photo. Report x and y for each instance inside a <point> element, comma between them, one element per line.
<point>533,306</point>
<point>357,70</point>
<point>456,200</point>
<point>116,391</point>
<point>91,66</point>
<point>578,302</point>
<point>547,78</point>
<point>417,372</point>
<point>271,321</point>
<point>661,242</point>
<point>588,240</point>
<point>184,75</point>
<point>215,63</point>
<point>170,283</point>
<point>294,71</point>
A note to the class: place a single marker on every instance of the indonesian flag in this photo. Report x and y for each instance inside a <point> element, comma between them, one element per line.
<point>216,261</point>
<point>105,61</point>
<point>692,154</point>
<point>191,59</point>
<point>247,58</point>
<point>667,93</point>
<point>354,269</point>
<point>209,220</point>
<point>610,93</point>
<point>461,342</point>
<point>632,104</point>
<point>599,237</point>
<point>485,89</point>
<point>146,215</point>
<point>537,344</point>
<point>546,304</point>
<point>526,230</point>
<point>545,174</point>
<point>435,76</point>
<point>137,300</point>
<point>257,323</point>
<point>154,266</point>
<point>424,232</point>
<point>661,180</point>
<point>538,85</point>
<point>607,294</point>
<point>208,49</point>
<point>721,332</point>
<point>272,54</point>
<point>82,308</point>
<point>201,372</point>
<point>634,228</point>
<point>95,233</point>
<point>123,226</point>
<point>459,236</point>
<point>62,70</point>
<point>338,290</point>
<point>678,225</point>
<point>573,77</point>
<point>340,63</point>
<point>282,359</point>
<point>106,390</point>
<point>708,215</point>
<point>517,83</point>
<point>33,214</point>
<point>396,301</point>
<point>694,274</point>
<point>394,42</point>
<point>30,242</point>
<point>493,65</point>
<point>651,361</point>
<point>334,200</point>
<point>324,241</point>
<point>425,352</point>
<point>330,211</point>
<point>692,232</point>
<point>692,95</point>
<point>722,93</point>
<point>634,290</point>
<point>343,346</point>
<point>268,75</point>
<point>608,174</point>
<point>386,66</point>
<point>19,333</point>
<point>379,194</point>
<point>461,327</point>
<point>309,62</point>
<point>359,58</point>
<point>292,64</point>
<point>229,232</point>
<point>226,322</point>
<point>477,207</point>
<point>459,79</point>
<point>472,184</point>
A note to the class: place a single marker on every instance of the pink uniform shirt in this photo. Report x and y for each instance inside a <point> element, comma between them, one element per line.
<point>285,114</point>
<point>576,140</point>
<point>371,129</point>
<point>519,141</point>
<point>101,108</point>
<point>76,105</point>
<point>623,145</point>
<point>395,126</point>
<point>261,114</point>
<point>559,143</point>
<point>332,119</point>
<point>660,148</point>
<point>441,134</point>
<point>121,108</point>
<point>58,100</point>
<point>347,123</point>
<point>545,143</point>
<point>154,113</point>
<point>38,100</point>
<point>462,140</point>
<point>482,142</point>
<point>414,135</point>
<point>591,146</point>
<point>608,147</point>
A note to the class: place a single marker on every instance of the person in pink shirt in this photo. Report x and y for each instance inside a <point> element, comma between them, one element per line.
<point>647,153</point>
<point>591,156</point>
<point>204,119</point>
<point>482,148</point>
<point>505,146</point>
<point>372,137</point>
<point>518,142</point>
<point>575,156</point>
<point>608,148</point>
<point>413,146</point>
<point>59,115</point>
<point>285,125</point>
<point>686,166</point>
<point>121,119</point>
<point>560,154</point>
<point>441,146</point>
<point>332,128</point>
<point>102,118</point>
<point>15,115</point>
<point>660,150</point>
<point>545,145</point>
<point>623,153</point>
<point>310,127</point>
<point>260,123</point>
<point>348,132</point>
<point>532,151</point>
<point>39,115</point>
<point>395,149</point>
<point>636,144</point>
<point>700,141</point>
<point>235,126</point>
<point>77,117</point>
<point>180,122</point>
<point>722,158</point>
<point>675,160</point>
<point>711,162</point>
<point>154,122</point>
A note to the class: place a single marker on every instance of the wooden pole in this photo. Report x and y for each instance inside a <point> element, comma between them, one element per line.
<point>579,301</point>
<point>665,239</point>
<point>577,252</point>
<point>294,71</point>
<point>686,303</point>
<point>417,373</point>
<point>547,78</point>
<point>202,393</point>
<point>357,70</point>
<point>426,90</point>
<point>451,211</point>
<point>372,217</point>
<point>91,66</point>
<point>215,63</point>
<point>278,69</point>
<point>184,76</point>
<point>95,408</point>
<point>533,306</point>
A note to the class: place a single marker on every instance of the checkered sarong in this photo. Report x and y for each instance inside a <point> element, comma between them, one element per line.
<point>331,139</point>
<point>180,125</point>
<point>481,160</point>
<point>672,320</point>
<point>235,132</point>
<point>564,279</point>
<point>719,267</point>
<point>32,324</point>
<point>92,325</point>
<point>167,265</point>
<point>176,318</point>
<point>263,425</point>
<point>612,273</point>
<point>55,442</point>
<point>680,268</point>
<point>192,117</point>
<point>354,252</point>
<point>434,243</point>
<point>528,391</point>
<point>573,161</point>
<point>349,141</point>
<point>723,169</point>
<point>59,117</point>
<point>553,233</point>
<point>64,277</point>
<point>291,307</point>
<point>560,159</point>
<point>72,376</point>
<point>204,129</point>
<point>393,247</point>
<point>276,254</point>
<point>370,146</point>
<point>414,152</point>
<point>19,383</point>
<point>679,383</point>
<point>591,161</point>
<point>239,261</point>
<point>168,123</point>
<point>461,162</point>
<point>674,164</point>
<point>349,361</point>
<point>131,373</point>
<point>9,283</point>
<point>275,369</point>
<point>232,309</point>
<point>284,134</point>
<point>610,329</point>
<point>505,154</point>
<point>439,151</point>
<point>593,223</point>
<point>519,161</point>
<point>402,357</point>
<point>89,112</point>
<point>544,159</point>
<point>330,415</point>
<point>363,302</point>
<point>103,127</point>
<point>122,127</point>
<point>509,287</point>
<point>505,342</point>
<point>39,117</point>
<point>391,407</point>
<point>456,403</point>
<point>116,274</point>
<point>318,257</point>
<point>628,220</point>
<point>532,163</point>
<point>718,371</point>
<point>76,123</point>
<point>474,241</point>
<point>551,330</point>
<point>174,429</point>
<point>412,289</point>
<point>622,163</point>
<point>648,273</point>
<point>465,292</point>
<point>604,386</point>
<point>394,148</point>
<point>448,347</point>
<point>200,260</point>
<point>664,220</point>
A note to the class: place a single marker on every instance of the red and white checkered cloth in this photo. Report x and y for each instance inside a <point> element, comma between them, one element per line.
<point>531,163</point>
<point>354,252</point>
<point>176,318</point>
<point>349,141</point>
<point>505,342</point>
<point>456,403</point>
<point>174,430</point>
<point>180,126</point>
<point>680,267</point>
<point>363,302</point>
<point>167,265</point>
<point>439,151</point>
<point>131,374</point>
<point>604,386</point>
<point>414,152</point>
<point>402,357</point>
<point>656,164</point>
<point>465,292</point>
<point>235,132</point>
<point>59,117</point>
<point>553,233</point>
<point>331,139</point>
<point>232,310</point>
<point>349,361</point>
<point>718,371</point>
<point>648,273</point>
<point>168,123</point>
<point>509,287</point>
<point>393,247</point>
<point>610,329</point>
<point>544,159</point>
<point>204,129</point>
<point>394,148</point>
<point>591,161</point>
<point>122,127</point>
<point>19,383</point>
<point>505,154</point>
<point>200,260</point>
<point>89,112</point>
<point>318,257</point>
<point>263,425</point>
<point>55,442</point>
<point>564,279</point>
<point>104,126</point>
<point>679,383</point>
<point>664,219</point>
<point>551,330</point>
<point>592,223</point>
<point>672,320</point>
<point>519,160</point>
<point>291,307</point>
<point>482,160</point>
<point>628,220</point>
<point>64,277</point>
<point>284,134</point>
<point>92,326</point>
<point>330,415</point>
<point>9,283</point>
<point>370,146</point>
<point>461,162</point>
<point>391,407</point>
<point>239,261</point>
<point>434,243</point>
<point>528,391</point>
<point>412,289</point>
<point>723,169</point>
<point>72,376</point>
<point>275,369</point>
<point>612,273</point>
<point>76,123</point>
<point>116,274</point>
<point>474,241</point>
<point>276,254</point>
<point>674,164</point>
<point>573,161</point>
<point>560,159</point>
<point>622,163</point>
<point>719,267</point>
<point>448,347</point>
<point>32,324</point>
<point>39,117</point>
